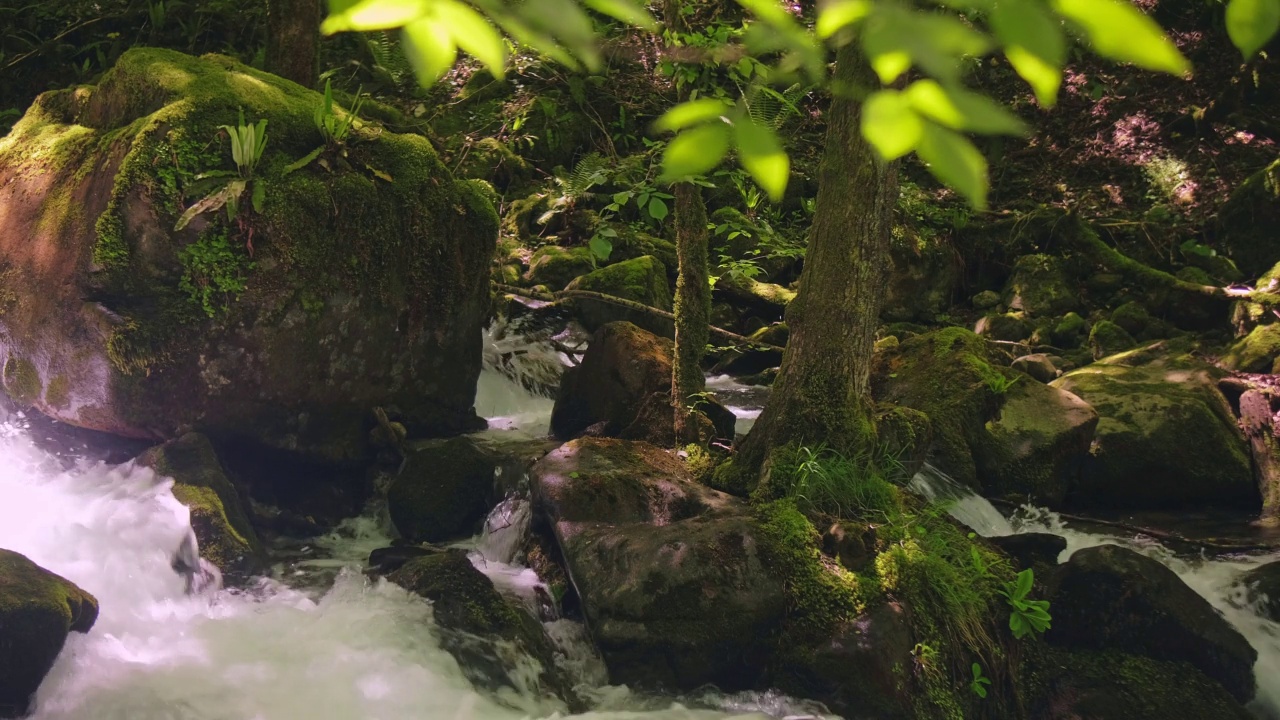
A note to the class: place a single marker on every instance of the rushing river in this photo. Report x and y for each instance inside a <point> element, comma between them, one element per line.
<point>348,648</point>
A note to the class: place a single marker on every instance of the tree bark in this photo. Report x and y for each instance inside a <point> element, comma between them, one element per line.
<point>822,393</point>
<point>692,308</point>
<point>293,40</point>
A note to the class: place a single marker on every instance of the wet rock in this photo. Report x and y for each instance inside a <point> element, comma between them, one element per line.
<point>1166,436</point>
<point>1112,598</point>
<point>443,490</point>
<point>1037,444</point>
<point>489,635</point>
<point>1262,589</point>
<point>342,294</point>
<point>624,381</point>
<point>642,280</point>
<point>226,537</point>
<point>389,559</point>
<point>1031,549</point>
<point>752,360</point>
<point>1039,366</point>
<point>37,611</point>
<point>1040,285</point>
<point>1110,685</point>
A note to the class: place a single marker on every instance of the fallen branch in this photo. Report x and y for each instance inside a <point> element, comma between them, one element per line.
<point>1162,535</point>
<point>558,297</point>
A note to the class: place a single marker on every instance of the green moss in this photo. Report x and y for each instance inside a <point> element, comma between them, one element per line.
<point>556,267</point>
<point>214,273</point>
<point>22,381</point>
<point>58,394</point>
<point>1257,352</point>
<point>1108,338</point>
<point>1070,330</point>
<point>226,546</point>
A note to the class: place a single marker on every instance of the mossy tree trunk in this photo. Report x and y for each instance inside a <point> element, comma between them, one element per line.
<point>822,393</point>
<point>293,40</point>
<point>692,308</point>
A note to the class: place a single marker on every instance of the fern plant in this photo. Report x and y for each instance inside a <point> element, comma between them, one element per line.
<point>247,144</point>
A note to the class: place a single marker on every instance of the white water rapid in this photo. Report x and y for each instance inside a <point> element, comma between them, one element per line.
<point>1215,579</point>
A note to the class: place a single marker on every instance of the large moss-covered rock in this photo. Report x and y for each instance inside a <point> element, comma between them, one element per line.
<point>225,536</point>
<point>348,289</point>
<point>443,489</point>
<point>642,280</point>
<point>1256,352</point>
<point>1248,220</point>
<point>682,585</point>
<point>1037,444</point>
<point>1112,598</point>
<point>622,389</point>
<point>924,278</point>
<point>555,267</point>
<point>1166,436</point>
<point>37,611</point>
<point>1040,286</point>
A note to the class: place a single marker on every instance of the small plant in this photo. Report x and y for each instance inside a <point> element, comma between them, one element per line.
<point>335,128</point>
<point>979,682</point>
<point>213,273</point>
<point>993,378</point>
<point>1027,616</point>
<point>247,143</point>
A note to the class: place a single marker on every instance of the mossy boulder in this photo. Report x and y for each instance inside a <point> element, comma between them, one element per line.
<point>925,276</point>
<point>631,243</point>
<point>480,626</point>
<point>682,585</point>
<point>1112,598</point>
<point>1256,352</point>
<point>1069,331</point>
<point>225,535</point>
<point>1247,222</point>
<point>1166,436</point>
<point>1037,443</point>
<point>37,611</point>
<point>1010,327</point>
<point>443,491</point>
<point>346,290</point>
<point>490,160</point>
<point>555,267</point>
<point>1108,338</point>
<point>1111,685</point>
<point>642,280</point>
<point>622,389</point>
<point>1041,286</point>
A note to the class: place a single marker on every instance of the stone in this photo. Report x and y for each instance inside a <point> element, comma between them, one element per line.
<point>226,537</point>
<point>1108,338</point>
<point>555,267</point>
<point>1262,589</point>
<point>1034,549</point>
<point>1166,436</point>
<point>443,491</point>
<point>1010,327</point>
<point>923,281</point>
<point>1256,352</point>
<point>642,280</point>
<point>1037,444</point>
<point>1039,286</point>
<point>38,609</point>
<point>1070,331</point>
<point>624,381</point>
<point>985,300</point>
<point>1039,366</point>
<point>284,328</point>
<point>1112,598</point>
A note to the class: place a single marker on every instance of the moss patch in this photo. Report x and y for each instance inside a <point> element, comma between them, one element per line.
<point>21,381</point>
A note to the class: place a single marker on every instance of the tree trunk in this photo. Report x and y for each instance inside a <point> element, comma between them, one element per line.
<point>293,40</point>
<point>693,308</point>
<point>822,393</point>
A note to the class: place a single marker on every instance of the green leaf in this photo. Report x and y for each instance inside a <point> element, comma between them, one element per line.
<point>430,49</point>
<point>303,161</point>
<point>762,155</point>
<point>657,209</point>
<point>695,151</point>
<point>621,198</point>
<point>601,248</point>
<point>895,38</point>
<point>259,196</point>
<point>841,14</point>
<point>473,33</point>
<point>770,11</point>
<point>1120,31</point>
<point>1252,23</point>
<point>374,15</point>
<point>961,109</point>
<point>1034,44</point>
<point>627,12</point>
<point>890,124</point>
<point>956,162</point>
<point>1025,579</point>
<point>1043,78</point>
<point>691,113</point>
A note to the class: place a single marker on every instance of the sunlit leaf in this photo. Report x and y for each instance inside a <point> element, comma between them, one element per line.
<point>840,14</point>
<point>1043,78</point>
<point>890,124</point>
<point>1252,23</point>
<point>430,49</point>
<point>628,12</point>
<point>762,155</point>
<point>600,246</point>
<point>770,11</point>
<point>956,162</point>
<point>1120,31</point>
<point>691,113</point>
<point>473,33</point>
<point>658,209</point>
<point>962,109</point>
<point>375,15</point>
<point>895,38</point>
<point>695,151</point>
